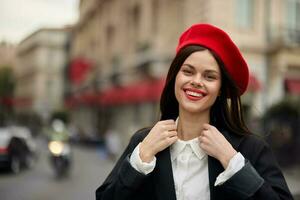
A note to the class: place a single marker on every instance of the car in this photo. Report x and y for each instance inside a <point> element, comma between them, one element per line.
<point>17,148</point>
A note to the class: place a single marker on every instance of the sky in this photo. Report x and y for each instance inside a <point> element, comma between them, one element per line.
<point>19,18</point>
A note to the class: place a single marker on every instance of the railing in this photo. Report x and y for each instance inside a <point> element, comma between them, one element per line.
<point>284,36</point>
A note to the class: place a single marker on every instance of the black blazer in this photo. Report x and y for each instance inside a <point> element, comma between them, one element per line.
<point>260,178</point>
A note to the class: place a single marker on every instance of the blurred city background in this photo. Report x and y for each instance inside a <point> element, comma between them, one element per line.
<point>101,73</point>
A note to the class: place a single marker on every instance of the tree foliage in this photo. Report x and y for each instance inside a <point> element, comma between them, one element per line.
<point>7,82</point>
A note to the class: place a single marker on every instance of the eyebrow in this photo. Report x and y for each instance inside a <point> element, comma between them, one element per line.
<point>208,70</point>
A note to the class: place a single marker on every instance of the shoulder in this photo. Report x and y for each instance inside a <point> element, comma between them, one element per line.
<point>250,141</point>
<point>256,141</point>
<point>252,146</point>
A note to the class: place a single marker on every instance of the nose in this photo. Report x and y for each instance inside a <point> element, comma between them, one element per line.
<point>197,81</point>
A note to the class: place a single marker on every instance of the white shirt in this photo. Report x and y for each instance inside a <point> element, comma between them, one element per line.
<point>190,169</point>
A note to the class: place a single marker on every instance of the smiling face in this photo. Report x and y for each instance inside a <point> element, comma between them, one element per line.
<point>198,83</point>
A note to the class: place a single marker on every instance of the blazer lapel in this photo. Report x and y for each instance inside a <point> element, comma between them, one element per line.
<point>215,167</point>
<point>165,189</point>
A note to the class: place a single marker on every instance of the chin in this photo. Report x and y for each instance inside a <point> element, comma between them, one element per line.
<point>193,109</point>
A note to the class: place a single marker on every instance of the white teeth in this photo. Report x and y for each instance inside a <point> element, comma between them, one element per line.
<point>194,94</point>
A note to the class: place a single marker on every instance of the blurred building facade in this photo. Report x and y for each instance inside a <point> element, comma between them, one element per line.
<point>42,59</point>
<point>127,43</point>
<point>7,55</point>
<point>283,36</point>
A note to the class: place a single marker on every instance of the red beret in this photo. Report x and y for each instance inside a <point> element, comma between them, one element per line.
<point>220,43</point>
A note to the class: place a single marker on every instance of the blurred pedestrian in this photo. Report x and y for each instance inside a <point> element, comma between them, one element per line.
<point>113,144</point>
<point>58,131</point>
<point>201,147</point>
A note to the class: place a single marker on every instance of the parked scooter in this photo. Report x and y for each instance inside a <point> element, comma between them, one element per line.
<point>59,149</point>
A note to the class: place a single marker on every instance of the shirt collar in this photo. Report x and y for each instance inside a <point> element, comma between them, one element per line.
<point>179,146</point>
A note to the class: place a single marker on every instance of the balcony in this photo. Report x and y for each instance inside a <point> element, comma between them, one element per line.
<point>283,36</point>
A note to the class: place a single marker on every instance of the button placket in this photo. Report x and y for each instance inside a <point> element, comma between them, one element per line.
<point>185,162</point>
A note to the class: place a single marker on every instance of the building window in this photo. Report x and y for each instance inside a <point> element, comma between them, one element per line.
<point>293,15</point>
<point>292,28</point>
<point>244,13</point>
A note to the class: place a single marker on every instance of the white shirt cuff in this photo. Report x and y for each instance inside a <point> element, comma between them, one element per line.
<point>138,164</point>
<point>236,163</point>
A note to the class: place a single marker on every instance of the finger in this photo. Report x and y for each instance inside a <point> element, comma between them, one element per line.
<point>167,134</point>
<point>172,140</point>
<point>205,133</point>
<point>172,133</point>
<point>202,145</point>
<point>206,126</point>
<point>200,138</point>
<point>170,127</point>
<point>203,139</point>
<point>206,149</point>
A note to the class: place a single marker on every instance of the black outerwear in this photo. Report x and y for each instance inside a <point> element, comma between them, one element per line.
<point>259,179</point>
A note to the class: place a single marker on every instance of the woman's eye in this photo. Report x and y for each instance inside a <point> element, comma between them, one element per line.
<point>185,71</point>
<point>211,77</point>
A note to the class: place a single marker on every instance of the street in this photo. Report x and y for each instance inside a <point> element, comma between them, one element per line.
<point>87,173</point>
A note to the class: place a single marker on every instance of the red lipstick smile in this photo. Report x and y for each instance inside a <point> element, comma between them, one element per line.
<point>194,94</point>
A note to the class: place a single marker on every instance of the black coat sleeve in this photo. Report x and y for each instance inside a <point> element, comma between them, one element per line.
<point>274,186</point>
<point>260,178</point>
<point>124,181</point>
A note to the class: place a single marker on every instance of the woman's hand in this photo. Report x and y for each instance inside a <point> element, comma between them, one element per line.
<point>162,135</point>
<point>216,145</point>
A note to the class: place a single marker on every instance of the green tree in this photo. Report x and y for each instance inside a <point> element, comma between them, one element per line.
<point>7,86</point>
<point>7,82</point>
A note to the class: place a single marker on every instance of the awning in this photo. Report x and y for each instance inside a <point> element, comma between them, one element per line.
<point>293,85</point>
<point>254,84</point>
<point>15,101</point>
<point>144,91</point>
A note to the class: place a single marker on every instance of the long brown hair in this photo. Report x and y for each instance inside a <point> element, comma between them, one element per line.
<point>226,113</point>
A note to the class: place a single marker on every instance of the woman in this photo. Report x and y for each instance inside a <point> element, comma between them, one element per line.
<point>201,147</point>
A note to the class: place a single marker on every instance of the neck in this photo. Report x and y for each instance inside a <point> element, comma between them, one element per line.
<point>191,125</point>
